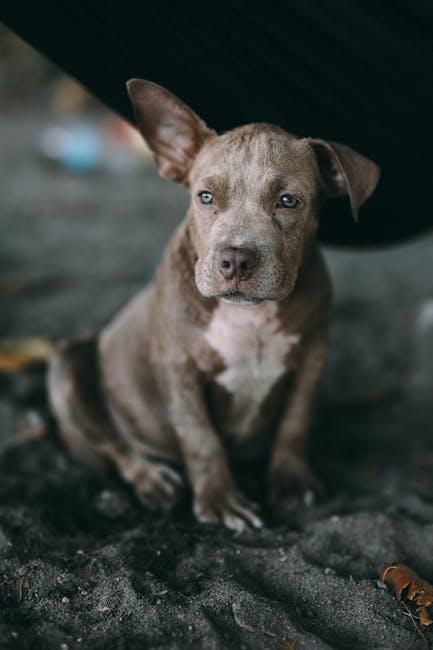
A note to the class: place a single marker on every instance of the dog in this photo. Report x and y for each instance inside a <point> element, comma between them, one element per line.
<point>217,361</point>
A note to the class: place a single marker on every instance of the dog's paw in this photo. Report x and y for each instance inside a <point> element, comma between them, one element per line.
<point>228,507</point>
<point>291,478</point>
<point>156,485</point>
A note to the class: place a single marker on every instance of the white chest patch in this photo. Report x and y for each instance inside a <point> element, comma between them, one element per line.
<point>254,351</point>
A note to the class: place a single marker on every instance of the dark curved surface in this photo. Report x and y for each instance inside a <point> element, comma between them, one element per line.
<point>358,73</point>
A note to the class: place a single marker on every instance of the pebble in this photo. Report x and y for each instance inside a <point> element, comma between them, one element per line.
<point>111,504</point>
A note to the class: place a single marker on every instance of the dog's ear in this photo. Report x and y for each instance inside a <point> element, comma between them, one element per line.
<point>172,130</point>
<point>345,171</point>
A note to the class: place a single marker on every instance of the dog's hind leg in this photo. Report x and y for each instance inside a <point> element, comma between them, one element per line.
<point>78,402</point>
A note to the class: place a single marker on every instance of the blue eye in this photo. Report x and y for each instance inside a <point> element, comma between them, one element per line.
<point>288,201</point>
<point>206,197</point>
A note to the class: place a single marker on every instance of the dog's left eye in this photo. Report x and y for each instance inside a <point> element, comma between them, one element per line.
<point>288,201</point>
<point>206,197</point>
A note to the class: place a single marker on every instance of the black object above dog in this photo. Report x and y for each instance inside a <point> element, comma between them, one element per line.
<point>354,72</point>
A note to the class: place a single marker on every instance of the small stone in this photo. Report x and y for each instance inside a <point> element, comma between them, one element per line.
<point>64,646</point>
<point>65,600</point>
<point>34,426</point>
<point>111,504</point>
<point>329,571</point>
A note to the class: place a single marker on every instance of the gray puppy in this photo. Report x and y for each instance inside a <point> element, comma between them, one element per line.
<point>218,359</point>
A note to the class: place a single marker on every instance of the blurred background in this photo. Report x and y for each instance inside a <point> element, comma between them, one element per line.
<point>84,219</point>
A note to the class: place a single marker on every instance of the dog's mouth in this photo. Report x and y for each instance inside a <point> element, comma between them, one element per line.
<point>240,299</point>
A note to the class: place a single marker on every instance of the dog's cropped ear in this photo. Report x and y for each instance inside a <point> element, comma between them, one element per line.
<point>345,171</point>
<point>172,130</point>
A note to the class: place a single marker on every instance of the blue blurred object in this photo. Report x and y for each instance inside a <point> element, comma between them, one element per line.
<point>77,147</point>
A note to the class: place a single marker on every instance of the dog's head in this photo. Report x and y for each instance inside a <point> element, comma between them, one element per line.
<point>256,192</point>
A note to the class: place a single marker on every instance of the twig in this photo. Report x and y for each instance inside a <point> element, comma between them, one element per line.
<point>416,626</point>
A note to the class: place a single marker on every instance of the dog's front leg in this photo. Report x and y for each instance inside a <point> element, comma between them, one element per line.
<point>289,471</point>
<point>216,497</point>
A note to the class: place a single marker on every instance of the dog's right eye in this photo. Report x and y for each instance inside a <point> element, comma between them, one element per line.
<point>206,197</point>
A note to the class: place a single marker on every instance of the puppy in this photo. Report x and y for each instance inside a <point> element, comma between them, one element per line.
<point>218,359</point>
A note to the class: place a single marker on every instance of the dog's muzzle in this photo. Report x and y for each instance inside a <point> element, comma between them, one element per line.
<point>237,263</point>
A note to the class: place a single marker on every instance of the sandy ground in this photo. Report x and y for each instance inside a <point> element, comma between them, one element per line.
<point>81,565</point>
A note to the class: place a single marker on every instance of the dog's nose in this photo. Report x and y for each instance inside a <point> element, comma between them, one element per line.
<point>237,262</point>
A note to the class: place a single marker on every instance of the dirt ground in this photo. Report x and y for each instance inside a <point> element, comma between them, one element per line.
<point>81,564</point>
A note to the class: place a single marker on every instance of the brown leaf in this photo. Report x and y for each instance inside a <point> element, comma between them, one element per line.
<point>401,577</point>
<point>16,355</point>
<point>424,617</point>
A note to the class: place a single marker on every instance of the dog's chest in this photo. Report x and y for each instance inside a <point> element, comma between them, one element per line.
<point>254,351</point>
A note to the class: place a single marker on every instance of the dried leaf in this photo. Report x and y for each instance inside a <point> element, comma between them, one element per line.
<point>16,355</point>
<point>400,577</point>
<point>424,617</point>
